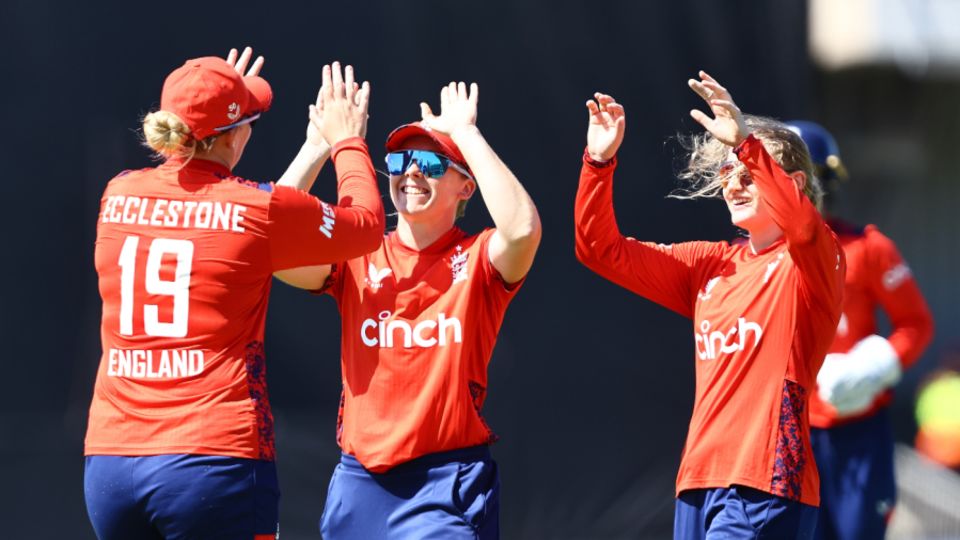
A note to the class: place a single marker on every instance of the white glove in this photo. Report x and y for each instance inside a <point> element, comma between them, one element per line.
<point>851,381</point>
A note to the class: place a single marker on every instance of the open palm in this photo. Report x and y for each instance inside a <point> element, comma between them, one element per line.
<point>727,124</point>
<point>605,130</point>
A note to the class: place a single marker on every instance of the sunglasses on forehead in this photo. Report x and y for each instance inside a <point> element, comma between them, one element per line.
<point>429,163</point>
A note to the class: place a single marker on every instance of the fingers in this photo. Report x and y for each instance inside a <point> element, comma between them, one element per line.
<point>445,97</point>
<point>241,65</point>
<point>326,88</point>
<point>315,117</point>
<point>474,93</point>
<point>363,96</point>
<point>256,67</point>
<point>592,107</point>
<point>425,112</point>
<point>232,57</point>
<point>349,86</point>
<point>701,118</point>
<point>337,79</point>
<point>727,105</point>
<point>700,89</point>
<point>706,77</point>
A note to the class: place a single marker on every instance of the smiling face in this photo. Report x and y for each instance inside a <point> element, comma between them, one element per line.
<point>743,199</point>
<point>420,198</point>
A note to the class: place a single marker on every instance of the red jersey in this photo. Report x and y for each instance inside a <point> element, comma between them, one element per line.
<point>185,253</point>
<point>418,331</point>
<point>876,277</point>
<point>762,323</point>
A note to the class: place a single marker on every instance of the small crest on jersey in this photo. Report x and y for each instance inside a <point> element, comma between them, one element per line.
<point>233,111</point>
<point>705,294</point>
<point>771,267</point>
<point>458,265</point>
<point>375,277</point>
<point>894,277</point>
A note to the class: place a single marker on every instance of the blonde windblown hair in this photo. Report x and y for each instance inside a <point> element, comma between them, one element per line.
<point>707,155</point>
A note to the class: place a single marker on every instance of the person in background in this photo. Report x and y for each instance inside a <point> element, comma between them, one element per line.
<point>850,424</point>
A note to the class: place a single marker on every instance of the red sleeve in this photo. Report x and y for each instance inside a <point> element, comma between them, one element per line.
<point>897,292</point>
<point>305,231</point>
<point>661,273</point>
<point>813,247</point>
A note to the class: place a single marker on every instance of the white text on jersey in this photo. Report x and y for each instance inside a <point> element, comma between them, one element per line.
<point>427,333</point>
<point>172,213</point>
<point>154,364</point>
<point>711,344</point>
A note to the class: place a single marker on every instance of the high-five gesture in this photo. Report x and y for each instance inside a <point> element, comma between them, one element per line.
<point>727,124</point>
<point>239,62</point>
<point>342,109</point>
<point>606,127</point>
<point>458,108</point>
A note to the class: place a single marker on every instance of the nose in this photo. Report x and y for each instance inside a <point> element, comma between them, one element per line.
<point>413,170</point>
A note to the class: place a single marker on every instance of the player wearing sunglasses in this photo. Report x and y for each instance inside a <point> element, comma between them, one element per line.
<point>764,312</point>
<point>420,317</point>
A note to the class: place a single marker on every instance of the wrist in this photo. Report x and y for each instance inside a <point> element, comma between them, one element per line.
<point>597,159</point>
<point>464,132</point>
<point>316,149</point>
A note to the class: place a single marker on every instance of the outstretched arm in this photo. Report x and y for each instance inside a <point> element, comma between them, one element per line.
<point>514,244</point>
<point>358,218</point>
<point>664,274</point>
<point>812,245</point>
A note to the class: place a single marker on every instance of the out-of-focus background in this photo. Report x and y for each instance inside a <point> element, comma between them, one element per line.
<point>591,388</point>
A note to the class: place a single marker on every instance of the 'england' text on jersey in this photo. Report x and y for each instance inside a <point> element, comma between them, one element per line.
<point>131,210</point>
<point>154,364</point>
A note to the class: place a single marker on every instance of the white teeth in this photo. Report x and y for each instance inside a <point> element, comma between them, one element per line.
<point>413,190</point>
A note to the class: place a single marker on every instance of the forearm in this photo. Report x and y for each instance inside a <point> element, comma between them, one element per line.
<point>790,208</point>
<point>303,170</point>
<point>511,208</point>
<point>595,224</point>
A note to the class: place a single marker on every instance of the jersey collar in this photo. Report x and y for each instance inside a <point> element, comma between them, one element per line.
<point>440,245</point>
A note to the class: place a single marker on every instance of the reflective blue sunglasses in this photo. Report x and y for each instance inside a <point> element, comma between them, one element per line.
<point>430,163</point>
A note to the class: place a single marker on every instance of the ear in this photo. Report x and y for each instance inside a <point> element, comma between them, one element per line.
<point>799,178</point>
<point>467,189</point>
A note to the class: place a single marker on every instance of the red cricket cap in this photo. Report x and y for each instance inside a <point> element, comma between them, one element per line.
<point>397,137</point>
<point>211,97</point>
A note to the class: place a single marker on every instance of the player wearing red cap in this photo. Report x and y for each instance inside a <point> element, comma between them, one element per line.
<point>180,436</point>
<point>420,319</point>
<point>852,436</point>
<point>764,312</point>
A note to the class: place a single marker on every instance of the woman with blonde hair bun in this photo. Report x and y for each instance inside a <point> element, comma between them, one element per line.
<point>180,435</point>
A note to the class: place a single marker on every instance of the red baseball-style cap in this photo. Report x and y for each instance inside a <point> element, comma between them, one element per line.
<point>397,137</point>
<point>211,97</point>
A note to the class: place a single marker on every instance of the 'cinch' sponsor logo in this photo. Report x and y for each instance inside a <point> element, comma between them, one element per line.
<point>385,333</point>
<point>711,344</point>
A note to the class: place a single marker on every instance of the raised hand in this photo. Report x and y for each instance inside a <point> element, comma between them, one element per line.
<point>605,130</point>
<point>342,112</point>
<point>239,62</point>
<point>727,124</point>
<point>458,108</point>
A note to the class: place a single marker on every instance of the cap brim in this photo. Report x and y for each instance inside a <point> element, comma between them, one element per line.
<point>399,136</point>
<point>261,95</point>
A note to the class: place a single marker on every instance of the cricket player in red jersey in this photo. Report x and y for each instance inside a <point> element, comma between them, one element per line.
<point>420,319</point>
<point>180,438</point>
<point>852,436</point>
<point>764,312</point>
